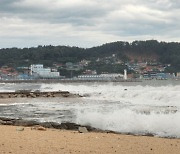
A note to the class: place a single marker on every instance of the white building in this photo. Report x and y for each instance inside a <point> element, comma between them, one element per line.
<point>101,77</point>
<point>39,70</point>
<point>178,74</point>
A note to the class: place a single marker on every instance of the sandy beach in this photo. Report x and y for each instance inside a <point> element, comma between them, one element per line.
<point>54,141</point>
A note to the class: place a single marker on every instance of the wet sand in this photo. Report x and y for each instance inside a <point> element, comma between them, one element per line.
<point>54,141</point>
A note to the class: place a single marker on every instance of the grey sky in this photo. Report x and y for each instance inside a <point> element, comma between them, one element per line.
<point>86,23</point>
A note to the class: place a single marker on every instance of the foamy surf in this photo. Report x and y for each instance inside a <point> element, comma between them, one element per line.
<point>150,95</point>
<point>136,109</point>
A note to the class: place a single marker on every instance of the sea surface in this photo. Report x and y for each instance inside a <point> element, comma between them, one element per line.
<point>125,107</point>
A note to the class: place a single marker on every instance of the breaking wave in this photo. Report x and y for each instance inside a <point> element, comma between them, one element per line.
<point>121,107</point>
<point>135,109</point>
<point>150,95</point>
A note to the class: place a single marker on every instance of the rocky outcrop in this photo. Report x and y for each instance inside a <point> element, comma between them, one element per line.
<point>20,123</point>
<point>43,125</point>
<point>35,94</point>
<point>27,123</point>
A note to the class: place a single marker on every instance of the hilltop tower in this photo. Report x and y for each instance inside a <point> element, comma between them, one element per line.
<point>125,74</point>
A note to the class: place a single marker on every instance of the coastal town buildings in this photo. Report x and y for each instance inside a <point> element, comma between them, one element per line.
<point>38,70</point>
<point>7,72</point>
<point>104,67</point>
<point>110,77</point>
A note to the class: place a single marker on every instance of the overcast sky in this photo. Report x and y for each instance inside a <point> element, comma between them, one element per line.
<point>87,23</point>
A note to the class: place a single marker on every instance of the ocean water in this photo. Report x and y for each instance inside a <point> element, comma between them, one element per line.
<point>138,108</point>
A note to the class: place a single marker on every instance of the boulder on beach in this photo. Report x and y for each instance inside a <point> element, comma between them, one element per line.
<point>38,128</point>
<point>20,129</point>
<point>82,130</point>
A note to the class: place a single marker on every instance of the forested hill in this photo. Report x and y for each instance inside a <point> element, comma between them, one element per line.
<point>164,52</point>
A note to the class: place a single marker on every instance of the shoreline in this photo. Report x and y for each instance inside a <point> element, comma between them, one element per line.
<point>54,141</point>
<point>65,81</point>
<point>4,121</point>
<point>83,80</point>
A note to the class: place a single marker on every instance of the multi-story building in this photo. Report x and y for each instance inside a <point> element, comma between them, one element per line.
<point>178,74</point>
<point>40,71</point>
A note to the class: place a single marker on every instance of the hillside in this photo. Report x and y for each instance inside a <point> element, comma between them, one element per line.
<point>150,50</point>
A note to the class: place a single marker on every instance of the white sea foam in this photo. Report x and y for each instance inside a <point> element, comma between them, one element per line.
<point>126,120</point>
<point>123,108</point>
<point>135,109</point>
<point>151,95</point>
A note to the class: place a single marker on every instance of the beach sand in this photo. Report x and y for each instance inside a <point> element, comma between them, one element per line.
<point>54,141</point>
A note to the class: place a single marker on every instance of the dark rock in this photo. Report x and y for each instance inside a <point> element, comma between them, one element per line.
<point>65,95</point>
<point>6,123</point>
<point>89,128</point>
<point>64,92</point>
<point>22,95</point>
<point>25,123</point>
<point>69,126</point>
<point>50,125</point>
<point>37,95</point>
<point>150,134</point>
<point>23,91</point>
<point>57,126</point>
<point>7,119</point>
<point>31,94</point>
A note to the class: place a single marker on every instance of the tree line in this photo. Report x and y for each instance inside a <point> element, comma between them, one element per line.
<point>167,53</point>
